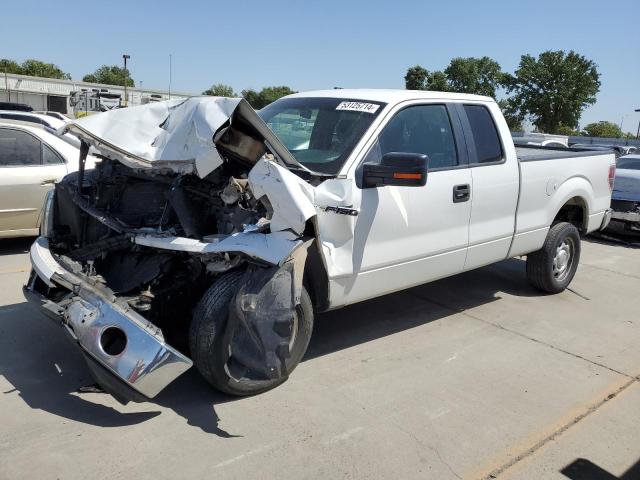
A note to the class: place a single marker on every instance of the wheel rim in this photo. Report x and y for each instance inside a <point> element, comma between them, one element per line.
<point>563,259</point>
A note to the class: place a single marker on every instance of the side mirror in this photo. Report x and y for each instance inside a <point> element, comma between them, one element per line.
<point>397,168</point>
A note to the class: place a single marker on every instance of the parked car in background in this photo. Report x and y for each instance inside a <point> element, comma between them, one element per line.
<point>542,139</point>
<point>51,123</point>
<point>617,149</point>
<point>21,107</point>
<point>224,243</point>
<point>57,115</point>
<point>625,199</point>
<point>54,123</point>
<point>32,159</point>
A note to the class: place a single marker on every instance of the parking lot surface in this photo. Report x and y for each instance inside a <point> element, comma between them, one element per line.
<point>475,376</point>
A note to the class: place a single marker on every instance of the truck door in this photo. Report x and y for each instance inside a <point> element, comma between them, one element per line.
<point>495,183</point>
<point>28,170</point>
<point>406,236</point>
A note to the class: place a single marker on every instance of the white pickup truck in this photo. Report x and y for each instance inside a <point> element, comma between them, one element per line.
<point>209,234</point>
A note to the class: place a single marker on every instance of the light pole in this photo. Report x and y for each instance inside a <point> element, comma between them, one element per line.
<point>170,76</point>
<point>125,57</point>
<point>638,134</point>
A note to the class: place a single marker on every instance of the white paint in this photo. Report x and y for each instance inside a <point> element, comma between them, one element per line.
<point>289,195</point>
<point>176,133</point>
<point>274,248</point>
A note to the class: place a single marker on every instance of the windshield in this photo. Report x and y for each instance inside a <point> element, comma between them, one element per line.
<point>629,163</point>
<point>320,132</point>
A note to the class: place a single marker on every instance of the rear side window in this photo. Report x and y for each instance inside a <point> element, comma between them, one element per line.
<point>485,134</point>
<point>49,157</point>
<point>18,148</point>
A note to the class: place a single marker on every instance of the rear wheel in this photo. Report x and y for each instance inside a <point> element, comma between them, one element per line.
<point>212,347</point>
<point>552,268</point>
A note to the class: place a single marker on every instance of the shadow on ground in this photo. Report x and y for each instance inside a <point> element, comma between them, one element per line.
<point>46,371</point>
<point>14,246</point>
<point>582,469</point>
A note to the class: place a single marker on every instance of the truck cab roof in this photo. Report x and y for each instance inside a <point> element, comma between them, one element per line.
<point>390,96</point>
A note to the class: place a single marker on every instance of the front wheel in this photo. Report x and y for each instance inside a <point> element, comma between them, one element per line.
<point>552,268</point>
<point>212,349</point>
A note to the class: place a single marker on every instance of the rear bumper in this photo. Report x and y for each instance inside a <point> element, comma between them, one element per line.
<point>126,353</point>
<point>633,217</point>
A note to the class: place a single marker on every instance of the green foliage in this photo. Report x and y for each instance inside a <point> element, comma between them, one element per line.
<point>33,68</point>
<point>603,129</point>
<point>220,90</point>
<point>514,117</point>
<point>419,78</point>
<point>554,88</point>
<point>480,76</point>
<point>110,75</point>
<point>265,96</point>
<point>416,78</point>
<point>566,130</point>
<point>10,66</point>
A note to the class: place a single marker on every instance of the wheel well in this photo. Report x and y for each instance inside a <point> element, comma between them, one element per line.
<point>573,211</point>
<point>316,280</point>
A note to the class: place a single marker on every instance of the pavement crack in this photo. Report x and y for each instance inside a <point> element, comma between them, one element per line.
<point>578,294</point>
<point>538,445</point>
<point>430,447</point>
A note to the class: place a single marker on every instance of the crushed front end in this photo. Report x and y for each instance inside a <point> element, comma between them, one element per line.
<point>127,250</point>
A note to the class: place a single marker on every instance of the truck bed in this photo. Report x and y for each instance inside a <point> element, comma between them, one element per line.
<point>531,153</point>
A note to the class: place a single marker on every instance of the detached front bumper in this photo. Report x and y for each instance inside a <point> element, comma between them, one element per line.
<point>126,353</point>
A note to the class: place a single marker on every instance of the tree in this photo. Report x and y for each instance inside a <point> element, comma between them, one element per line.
<point>554,88</point>
<point>220,90</point>
<point>480,76</point>
<point>566,130</point>
<point>419,78</point>
<point>603,129</point>
<point>416,78</point>
<point>33,68</point>
<point>36,68</point>
<point>110,75</point>
<point>514,117</point>
<point>265,96</point>
<point>10,66</point>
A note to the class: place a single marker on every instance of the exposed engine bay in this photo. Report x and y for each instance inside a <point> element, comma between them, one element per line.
<point>95,227</point>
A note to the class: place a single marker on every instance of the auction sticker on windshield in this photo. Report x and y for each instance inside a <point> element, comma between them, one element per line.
<point>358,107</point>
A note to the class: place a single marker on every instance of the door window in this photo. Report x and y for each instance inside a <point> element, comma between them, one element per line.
<point>485,134</point>
<point>421,129</point>
<point>18,148</point>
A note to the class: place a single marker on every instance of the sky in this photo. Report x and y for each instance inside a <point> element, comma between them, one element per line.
<point>314,45</point>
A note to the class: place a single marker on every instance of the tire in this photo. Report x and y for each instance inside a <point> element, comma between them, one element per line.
<point>552,268</point>
<point>210,346</point>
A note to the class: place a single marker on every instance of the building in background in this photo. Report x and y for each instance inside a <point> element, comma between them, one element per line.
<point>75,98</point>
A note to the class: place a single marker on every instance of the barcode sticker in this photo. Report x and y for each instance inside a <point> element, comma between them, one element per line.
<point>358,107</point>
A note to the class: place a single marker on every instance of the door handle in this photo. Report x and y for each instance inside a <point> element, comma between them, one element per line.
<point>49,181</point>
<point>461,193</point>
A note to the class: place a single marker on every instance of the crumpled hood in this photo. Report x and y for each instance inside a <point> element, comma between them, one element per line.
<point>627,185</point>
<point>177,135</point>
